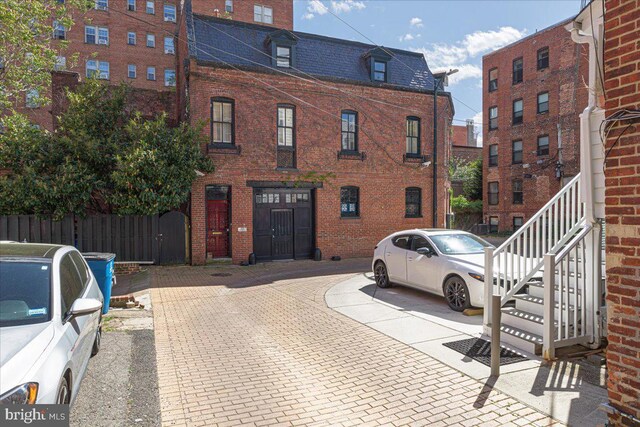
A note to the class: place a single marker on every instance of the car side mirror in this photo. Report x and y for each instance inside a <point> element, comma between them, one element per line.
<point>82,307</point>
<point>426,252</point>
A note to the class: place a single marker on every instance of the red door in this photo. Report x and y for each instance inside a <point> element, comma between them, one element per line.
<point>217,228</point>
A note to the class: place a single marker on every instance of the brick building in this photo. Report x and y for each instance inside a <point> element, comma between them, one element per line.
<point>622,206</point>
<point>286,107</point>
<point>134,41</point>
<point>533,92</point>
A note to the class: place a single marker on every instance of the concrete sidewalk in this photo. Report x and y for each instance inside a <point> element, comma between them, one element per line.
<point>425,322</point>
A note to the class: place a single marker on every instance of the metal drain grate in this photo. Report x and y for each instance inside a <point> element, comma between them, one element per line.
<point>480,350</point>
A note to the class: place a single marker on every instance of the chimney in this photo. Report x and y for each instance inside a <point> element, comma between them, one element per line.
<point>472,141</point>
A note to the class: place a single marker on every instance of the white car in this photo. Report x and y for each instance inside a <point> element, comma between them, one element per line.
<point>50,322</point>
<point>444,262</point>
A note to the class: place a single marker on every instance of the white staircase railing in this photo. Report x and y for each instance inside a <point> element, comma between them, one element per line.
<point>572,293</point>
<point>520,258</point>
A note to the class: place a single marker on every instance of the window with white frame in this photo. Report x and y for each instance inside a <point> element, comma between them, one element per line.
<point>151,73</point>
<point>228,6</point>
<point>169,77</point>
<point>169,13</point>
<point>131,38</point>
<point>96,35</point>
<point>98,69</point>
<point>59,31</point>
<point>131,5</point>
<point>151,40</point>
<point>169,46</point>
<point>131,71</point>
<point>102,4</point>
<point>263,14</point>
<point>31,98</point>
<point>61,63</point>
<point>151,8</point>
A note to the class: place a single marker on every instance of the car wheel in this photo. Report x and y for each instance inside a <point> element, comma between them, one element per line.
<point>456,293</point>
<point>96,343</point>
<point>64,397</point>
<point>380,273</point>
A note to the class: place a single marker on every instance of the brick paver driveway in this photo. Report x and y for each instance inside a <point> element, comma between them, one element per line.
<point>260,347</point>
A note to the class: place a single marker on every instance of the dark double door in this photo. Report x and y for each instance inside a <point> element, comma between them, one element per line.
<point>283,224</point>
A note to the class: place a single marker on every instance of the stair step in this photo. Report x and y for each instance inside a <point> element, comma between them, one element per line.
<point>524,320</point>
<point>521,339</point>
<point>541,286</point>
<point>525,315</point>
<point>537,300</point>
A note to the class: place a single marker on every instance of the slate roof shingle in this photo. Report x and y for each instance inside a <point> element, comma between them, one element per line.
<point>220,41</point>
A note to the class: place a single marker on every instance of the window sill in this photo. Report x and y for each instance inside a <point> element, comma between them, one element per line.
<point>517,164</point>
<point>413,216</point>
<point>281,169</point>
<point>414,158</point>
<point>223,149</point>
<point>351,155</point>
<point>517,124</point>
<point>542,113</point>
<point>349,217</point>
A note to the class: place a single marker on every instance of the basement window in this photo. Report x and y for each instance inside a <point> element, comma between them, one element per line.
<point>349,202</point>
<point>493,224</point>
<point>517,222</point>
<point>413,202</point>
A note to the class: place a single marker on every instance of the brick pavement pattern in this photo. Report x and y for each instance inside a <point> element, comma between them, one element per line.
<point>258,346</point>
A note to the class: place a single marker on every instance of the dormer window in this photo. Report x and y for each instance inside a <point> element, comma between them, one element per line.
<point>282,44</point>
<point>380,71</point>
<point>378,63</point>
<point>283,56</point>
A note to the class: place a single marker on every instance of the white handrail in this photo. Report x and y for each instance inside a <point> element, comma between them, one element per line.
<point>520,257</point>
<point>571,293</point>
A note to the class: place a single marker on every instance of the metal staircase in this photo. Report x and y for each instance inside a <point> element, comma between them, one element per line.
<point>549,276</point>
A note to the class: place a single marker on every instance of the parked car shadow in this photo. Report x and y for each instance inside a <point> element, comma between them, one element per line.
<point>417,302</point>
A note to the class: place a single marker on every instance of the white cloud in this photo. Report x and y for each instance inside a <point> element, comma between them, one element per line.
<point>317,7</point>
<point>406,37</point>
<point>346,5</point>
<point>484,41</point>
<point>462,54</point>
<point>416,22</point>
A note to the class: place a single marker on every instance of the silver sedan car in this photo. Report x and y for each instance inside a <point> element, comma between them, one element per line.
<point>50,322</point>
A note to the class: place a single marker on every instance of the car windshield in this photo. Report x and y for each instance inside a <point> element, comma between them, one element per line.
<point>25,292</point>
<point>459,244</point>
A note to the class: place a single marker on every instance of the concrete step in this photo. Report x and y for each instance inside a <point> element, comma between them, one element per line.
<point>536,289</point>
<point>535,305</point>
<point>520,339</point>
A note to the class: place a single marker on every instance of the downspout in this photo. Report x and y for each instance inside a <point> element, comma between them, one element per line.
<point>435,154</point>
<point>586,181</point>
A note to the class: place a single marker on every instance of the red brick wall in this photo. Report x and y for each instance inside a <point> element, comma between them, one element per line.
<point>622,84</point>
<point>243,10</point>
<point>568,64</point>
<point>382,176</point>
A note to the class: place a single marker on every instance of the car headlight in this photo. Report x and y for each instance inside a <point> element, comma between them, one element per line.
<point>25,395</point>
<point>477,276</point>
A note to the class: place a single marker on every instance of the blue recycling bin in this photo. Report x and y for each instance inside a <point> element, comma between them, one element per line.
<point>101,265</point>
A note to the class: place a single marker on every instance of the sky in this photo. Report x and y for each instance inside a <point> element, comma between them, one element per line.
<point>451,34</point>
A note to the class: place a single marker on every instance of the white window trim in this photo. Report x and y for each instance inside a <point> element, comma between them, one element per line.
<point>135,38</point>
<point>96,7</point>
<point>172,51</point>
<point>262,14</point>
<point>155,77</point>
<point>164,13</point>
<point>97,69</point>
<point>96,34</point>
<point>135,6</point>
<point>153,38</point>
<point>166,83</point>
<point>135,71</point>
<point>153,7</point>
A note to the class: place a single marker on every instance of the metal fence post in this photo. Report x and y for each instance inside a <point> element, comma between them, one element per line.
<point>495,335</point>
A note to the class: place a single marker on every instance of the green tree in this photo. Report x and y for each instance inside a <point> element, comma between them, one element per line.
<point>102,158</point>
<point>472,185</point>
<point>27,54</point>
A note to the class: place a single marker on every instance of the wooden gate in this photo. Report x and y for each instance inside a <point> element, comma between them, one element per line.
<point>172,240</point>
